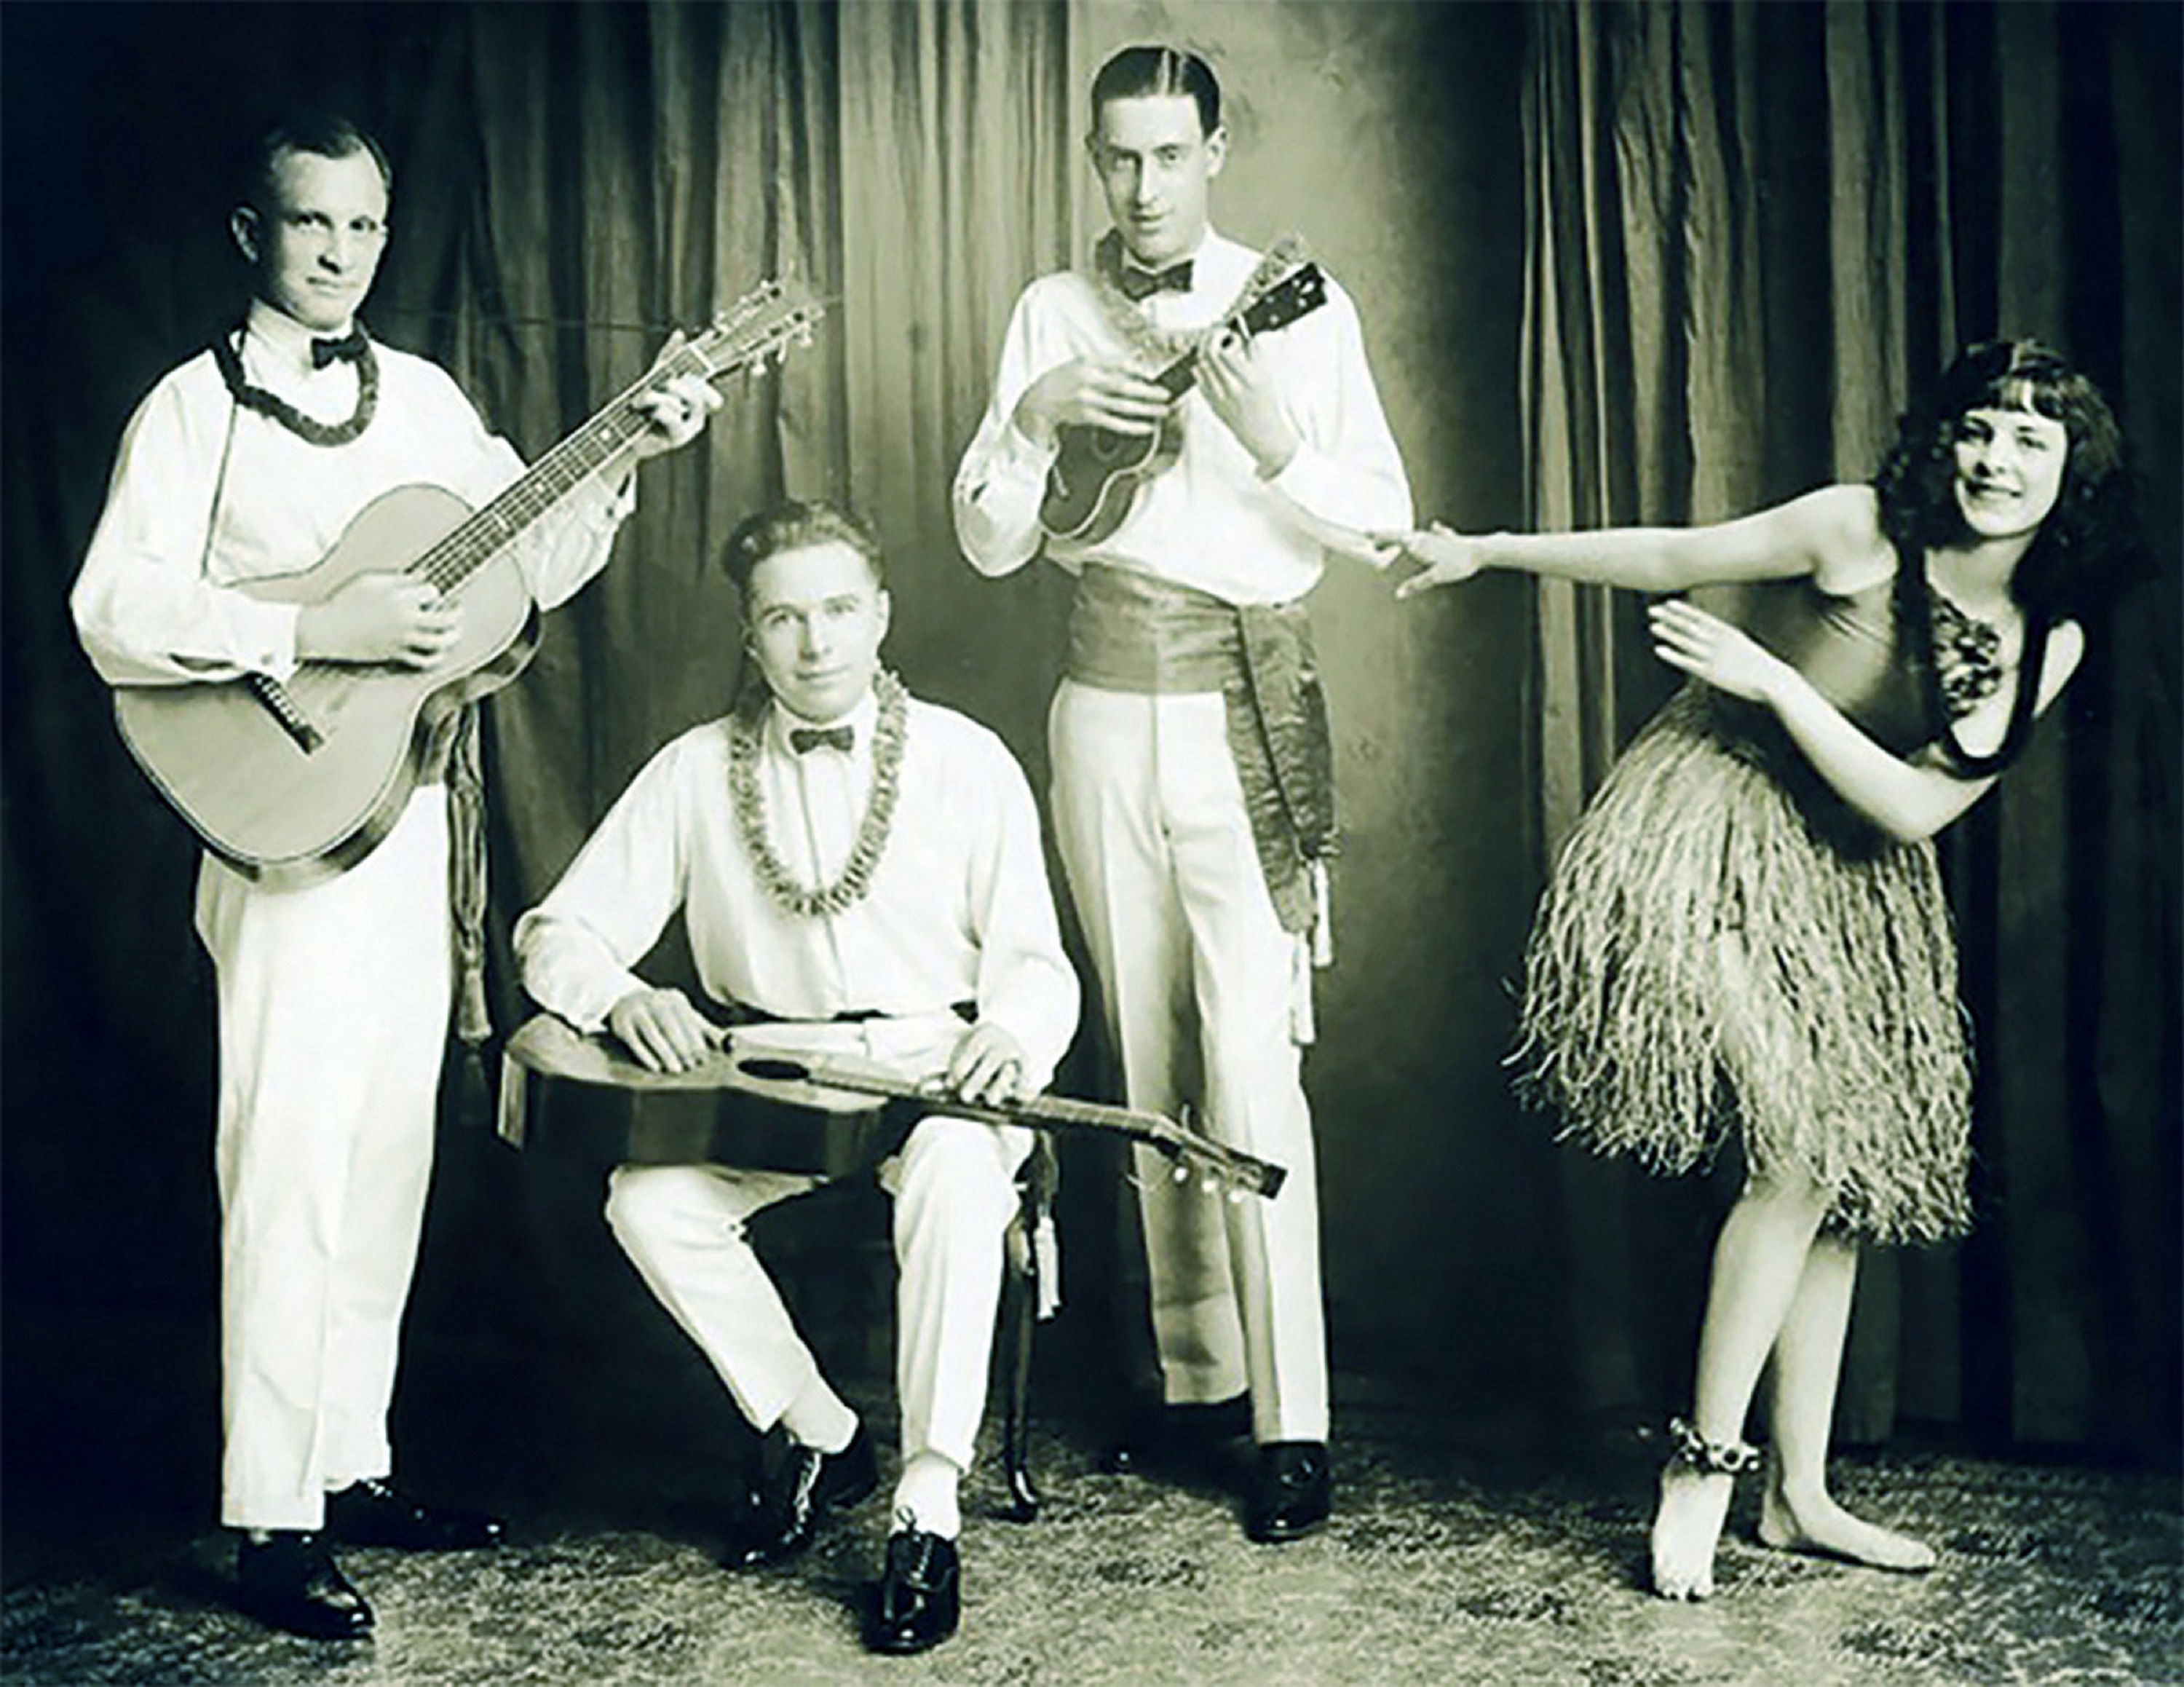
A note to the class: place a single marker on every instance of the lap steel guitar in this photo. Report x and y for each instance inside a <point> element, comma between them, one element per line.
<point>292,782</point>
<point>765,1107</point>
<point>1097,472</point>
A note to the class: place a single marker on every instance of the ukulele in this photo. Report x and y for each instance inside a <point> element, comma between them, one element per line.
<point>1097,472</point>
<point>294,782</point>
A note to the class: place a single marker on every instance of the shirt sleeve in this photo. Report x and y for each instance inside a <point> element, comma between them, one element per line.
<point>143,609</point>
<point>1347,474</point>
<point>1025,984</point>
<point>575,949</point>
<point>558,554</point>
<point>1002,478</point>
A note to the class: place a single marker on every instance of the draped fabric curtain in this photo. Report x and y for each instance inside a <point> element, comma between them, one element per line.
<point>895,160</point>
<point>1737,272</point>
<point>1750,228</point>
<point>574,181</point>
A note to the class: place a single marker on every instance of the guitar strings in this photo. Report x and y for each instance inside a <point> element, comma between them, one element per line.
<point>449,562</point>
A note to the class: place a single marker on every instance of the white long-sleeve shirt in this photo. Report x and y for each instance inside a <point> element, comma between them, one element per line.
<point>155,603</point>
<point>959,908</point>
<point>1210,520</point>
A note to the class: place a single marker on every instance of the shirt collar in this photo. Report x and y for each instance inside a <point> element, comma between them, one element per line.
<point>285,339</point>
<point>862,717</point>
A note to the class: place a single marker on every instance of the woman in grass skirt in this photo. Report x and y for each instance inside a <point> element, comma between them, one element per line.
<point>1746,926</point>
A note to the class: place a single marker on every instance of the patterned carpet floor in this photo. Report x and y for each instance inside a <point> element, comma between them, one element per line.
<point>1444,1564</point>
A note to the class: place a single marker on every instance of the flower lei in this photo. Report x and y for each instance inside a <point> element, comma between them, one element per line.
<point>1967,656</point>
<point>799,901</point>
<point>1156,347</point>
<point>1160,346</point>
<point>302,426</point>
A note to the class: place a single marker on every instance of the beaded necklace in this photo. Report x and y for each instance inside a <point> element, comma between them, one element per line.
<point>303,427</point>
<point>800,901</point>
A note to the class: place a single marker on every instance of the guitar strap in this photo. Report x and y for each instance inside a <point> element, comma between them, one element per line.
<point>466,872</point>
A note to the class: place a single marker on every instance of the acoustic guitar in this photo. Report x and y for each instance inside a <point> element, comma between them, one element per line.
<point>1097,472</point>
<point>292,782</point>
<point>752,1104</point>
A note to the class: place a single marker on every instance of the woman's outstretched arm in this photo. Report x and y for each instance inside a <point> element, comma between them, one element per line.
<point>1833,534</point>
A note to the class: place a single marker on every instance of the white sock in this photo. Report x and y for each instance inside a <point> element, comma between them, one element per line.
<point>926,1495</point>
<point>816,1418</point>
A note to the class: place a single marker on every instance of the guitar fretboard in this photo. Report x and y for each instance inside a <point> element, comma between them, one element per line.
<point>561,470</point>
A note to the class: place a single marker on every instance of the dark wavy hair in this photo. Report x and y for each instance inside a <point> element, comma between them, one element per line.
<point>2087,547</point>
<point>792,524</point>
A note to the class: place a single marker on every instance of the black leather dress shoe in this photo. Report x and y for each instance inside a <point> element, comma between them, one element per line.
<point>289,1581</point>
<point>795,1500</point>
<point>1185,1441</point>
<point>920,1598</point>
<point>1292,1492</point>
<point>373,1512</point>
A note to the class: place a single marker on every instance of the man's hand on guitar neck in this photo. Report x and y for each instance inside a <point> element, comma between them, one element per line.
<point>380,617</point>
<point>1090,392</point>
<point>987,1067</point>
<point>662,1029</point>
<point>1241,392</point>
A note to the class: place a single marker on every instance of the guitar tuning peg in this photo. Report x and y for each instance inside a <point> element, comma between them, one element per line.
<point>1182,1174</point>
<point>1235,1196</point>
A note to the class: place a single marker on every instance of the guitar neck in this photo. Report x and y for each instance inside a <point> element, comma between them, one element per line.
<point>1036,1110</point>
<point>760,326</point>
<point>1052,1111</point>
<point>559,472</point>
<point>1268,310</point>
<point>1178,378</point>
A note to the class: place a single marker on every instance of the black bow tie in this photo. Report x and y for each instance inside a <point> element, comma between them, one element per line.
<point>1141,284</point>
<point>806,739</point>
<point>351,346</point>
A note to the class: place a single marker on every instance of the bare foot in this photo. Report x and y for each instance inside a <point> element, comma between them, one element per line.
<point>1816,1523</point>
<point>1687,1526</point>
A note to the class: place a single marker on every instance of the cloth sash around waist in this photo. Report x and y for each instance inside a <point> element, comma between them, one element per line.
<point>1131,632</point>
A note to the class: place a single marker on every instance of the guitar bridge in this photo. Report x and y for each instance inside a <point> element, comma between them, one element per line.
<point>292,720</point>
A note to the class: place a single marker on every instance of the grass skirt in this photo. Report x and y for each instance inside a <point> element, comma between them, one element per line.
<point>1708,955</point>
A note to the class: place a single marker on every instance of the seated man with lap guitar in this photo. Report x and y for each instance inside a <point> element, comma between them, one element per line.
<point>865,869</point>
<point>237,473</point>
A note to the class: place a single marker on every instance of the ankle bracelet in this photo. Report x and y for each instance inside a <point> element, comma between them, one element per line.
<point>1710,1458</point>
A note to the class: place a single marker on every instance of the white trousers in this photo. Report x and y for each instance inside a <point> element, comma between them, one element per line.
<point>333,1011</point>
<point>954,1189</point>
<point>1197,979</point>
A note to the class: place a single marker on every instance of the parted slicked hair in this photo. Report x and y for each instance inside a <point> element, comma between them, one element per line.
<point>792,524</point>
<point>323,135</point>
<point>2088,546</point>
<point>1137,72</point>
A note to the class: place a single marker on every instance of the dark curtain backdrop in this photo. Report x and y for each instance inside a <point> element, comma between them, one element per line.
<point>1752,231</point>
<point>1592,250</point>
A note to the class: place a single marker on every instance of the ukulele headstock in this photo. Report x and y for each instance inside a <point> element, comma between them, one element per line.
<point>1299,293</point>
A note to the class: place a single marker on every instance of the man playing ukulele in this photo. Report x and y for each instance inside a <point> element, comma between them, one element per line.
<point>1191,794</point>
<point>247,462</point>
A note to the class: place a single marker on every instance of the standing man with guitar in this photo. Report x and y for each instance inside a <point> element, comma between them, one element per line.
<point>242,466</point>
<point>1192,794</point>
<point>862,870</point>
